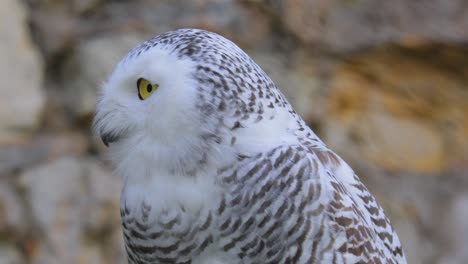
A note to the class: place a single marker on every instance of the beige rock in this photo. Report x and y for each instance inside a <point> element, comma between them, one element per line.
<point>12,216</point>
<point>92,254</point>
<point>10,255</point>
<point>83,6</point>
<point>400,144</point>
<point>103,197</point>
<point>247,27</point>
<point>344,26</point>
<point>399,111</point>
<point>41,148</point>
<point>413,244</point>
<point>55,193</point>
<point>457,230</point>
<point>56,28</point>
<point>43,254</point>
<point>297,79</point>
<point>70,209</point>
<point>115,248</point>
<point>21,74</point>
<point>90,66</point>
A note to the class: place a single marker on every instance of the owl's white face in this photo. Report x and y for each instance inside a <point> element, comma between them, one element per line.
<point>207,101</point>
<point>154,129</point>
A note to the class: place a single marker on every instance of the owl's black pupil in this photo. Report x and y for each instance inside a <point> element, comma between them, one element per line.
<point>149,88</point>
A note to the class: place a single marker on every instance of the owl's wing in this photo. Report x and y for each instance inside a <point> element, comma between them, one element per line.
<point>296,204</point>
<point>364,232</point>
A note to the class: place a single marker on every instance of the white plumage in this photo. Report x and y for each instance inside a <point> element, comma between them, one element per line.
<point>218,167</point>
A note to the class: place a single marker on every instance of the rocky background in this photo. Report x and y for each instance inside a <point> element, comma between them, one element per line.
<point>384,83</point>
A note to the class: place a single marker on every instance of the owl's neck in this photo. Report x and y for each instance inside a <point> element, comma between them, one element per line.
<point>182,172</point>
<point>187,154</point>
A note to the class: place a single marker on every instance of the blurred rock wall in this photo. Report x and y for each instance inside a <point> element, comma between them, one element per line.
<point>384,83</point>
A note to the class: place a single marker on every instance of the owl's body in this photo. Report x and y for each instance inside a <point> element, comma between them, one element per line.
<point>218,168</point>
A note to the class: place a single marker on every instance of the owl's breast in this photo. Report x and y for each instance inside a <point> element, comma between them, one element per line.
<point>168,220</point>
<point>173,235</point>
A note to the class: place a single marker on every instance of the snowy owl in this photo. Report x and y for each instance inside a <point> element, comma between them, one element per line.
<point>218,167</point>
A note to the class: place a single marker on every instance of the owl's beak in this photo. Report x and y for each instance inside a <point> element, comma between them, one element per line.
<point>108,138</point>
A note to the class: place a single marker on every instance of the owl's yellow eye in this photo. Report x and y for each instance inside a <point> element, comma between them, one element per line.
<point>145,88</point>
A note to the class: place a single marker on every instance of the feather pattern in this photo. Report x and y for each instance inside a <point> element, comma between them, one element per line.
<point>221,169</point>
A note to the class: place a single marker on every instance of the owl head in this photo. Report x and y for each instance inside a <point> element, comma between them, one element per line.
<point>187,95</point>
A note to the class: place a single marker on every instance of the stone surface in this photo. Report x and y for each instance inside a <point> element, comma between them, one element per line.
<point>56,29</point>
<point>21,74</point>
<point>68,208</point>
<point>41,148</point>
<point>13,221</point>
<point>10,255</point>
<point>89,67</point>
<point>102,200</point>
<point>457,229</point>
<point>396,113</point>
<point>247,26</point>
<point>299,80</point>
<point>344,26</point>
<point>422,210</point>
<point>401,112</point>
<point>85,6</point>
<point>389,142</point>
<point>55,193</point>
